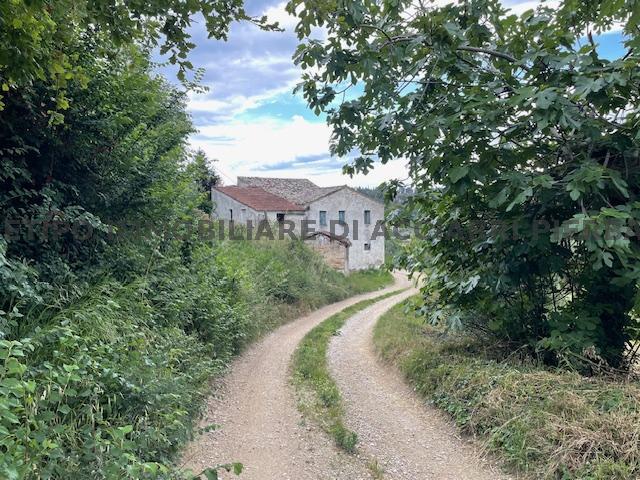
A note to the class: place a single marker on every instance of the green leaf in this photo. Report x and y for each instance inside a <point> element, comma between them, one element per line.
<point>620,184</point>
<point>64,409</point>
<point>211,474</point>
<point>546,98</point>
<point>521,198</point>
<point>10,472</point>
<point>456,173</point>
<point>574,194</point>
<point>12,384</point>
<point>14,367</point>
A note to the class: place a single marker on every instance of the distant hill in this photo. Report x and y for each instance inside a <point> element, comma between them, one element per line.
<point>377,193</point>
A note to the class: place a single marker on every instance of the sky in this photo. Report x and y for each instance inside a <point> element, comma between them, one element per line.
<point>251,122</point>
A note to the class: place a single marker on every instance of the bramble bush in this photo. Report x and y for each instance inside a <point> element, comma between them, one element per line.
<point>109,385</point>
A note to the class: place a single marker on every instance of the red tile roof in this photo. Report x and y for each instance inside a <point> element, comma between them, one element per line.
<point>259,199</point>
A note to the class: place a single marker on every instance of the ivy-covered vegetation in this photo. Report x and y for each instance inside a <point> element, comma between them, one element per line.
<point>114,313</point>
<point>544,423</point>
<point>522,144</point>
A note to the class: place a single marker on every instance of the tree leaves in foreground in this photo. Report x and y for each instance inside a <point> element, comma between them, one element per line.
<point>522,142</point>
<point>35,35</point>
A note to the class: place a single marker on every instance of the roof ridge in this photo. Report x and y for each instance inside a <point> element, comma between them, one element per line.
<point>259,198</point>
<point>278,178</point>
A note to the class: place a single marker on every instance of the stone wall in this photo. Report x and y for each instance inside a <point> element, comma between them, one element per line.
<point>333,252</point>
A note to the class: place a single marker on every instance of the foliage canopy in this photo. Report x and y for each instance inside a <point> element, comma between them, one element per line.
<point>523,144</point>
<point>35,35</point>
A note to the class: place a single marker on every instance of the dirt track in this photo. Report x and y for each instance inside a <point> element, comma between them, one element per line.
<point>406,438</point>
<point>262,428</point>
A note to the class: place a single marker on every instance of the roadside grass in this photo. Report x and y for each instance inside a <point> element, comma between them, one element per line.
<point>551,424</point>
<point>318,394</point>
<point>363,281</point>
<point>282,280</point>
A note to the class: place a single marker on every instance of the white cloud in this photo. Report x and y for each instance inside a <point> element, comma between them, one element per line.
<point>236,104</point>
<point>260,146</point>
<point>251,145</point>
<point>264,62</point>
<point>277,13</point>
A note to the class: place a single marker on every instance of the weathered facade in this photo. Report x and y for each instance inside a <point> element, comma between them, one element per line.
<point>242,204</point>
<point>349,223</point>
<point>334,249</point>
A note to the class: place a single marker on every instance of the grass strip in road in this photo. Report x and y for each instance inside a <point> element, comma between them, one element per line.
<point>318,394</point>
<point>544,423</point>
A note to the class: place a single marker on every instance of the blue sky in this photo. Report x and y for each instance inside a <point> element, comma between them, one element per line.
<point>250,121</point>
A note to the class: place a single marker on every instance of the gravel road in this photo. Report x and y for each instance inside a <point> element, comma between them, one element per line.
<point>260,424</point>
<point>408,439</point>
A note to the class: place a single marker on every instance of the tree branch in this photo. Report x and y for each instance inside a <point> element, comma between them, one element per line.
<point>493,53</point>
<point>466,48</point>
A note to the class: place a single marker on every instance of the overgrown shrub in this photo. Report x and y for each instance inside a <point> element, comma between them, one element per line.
<point>109,385</point>
<point>281,279</point>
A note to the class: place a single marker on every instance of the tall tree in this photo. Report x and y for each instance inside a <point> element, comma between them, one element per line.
<point>522,142</point>
<point>205,176</point>
<point>118,158</point>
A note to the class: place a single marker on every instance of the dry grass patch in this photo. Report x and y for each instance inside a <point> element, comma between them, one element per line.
<point>543,423</point>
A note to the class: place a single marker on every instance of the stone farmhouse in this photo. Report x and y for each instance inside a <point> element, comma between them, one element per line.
<point>318,215</point>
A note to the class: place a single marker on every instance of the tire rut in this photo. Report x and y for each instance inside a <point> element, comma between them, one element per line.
<point>408,439</point>
<point>260,425</point>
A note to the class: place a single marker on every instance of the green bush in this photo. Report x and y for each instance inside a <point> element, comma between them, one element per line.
<point>109,386</point>
<point>282,279</point>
